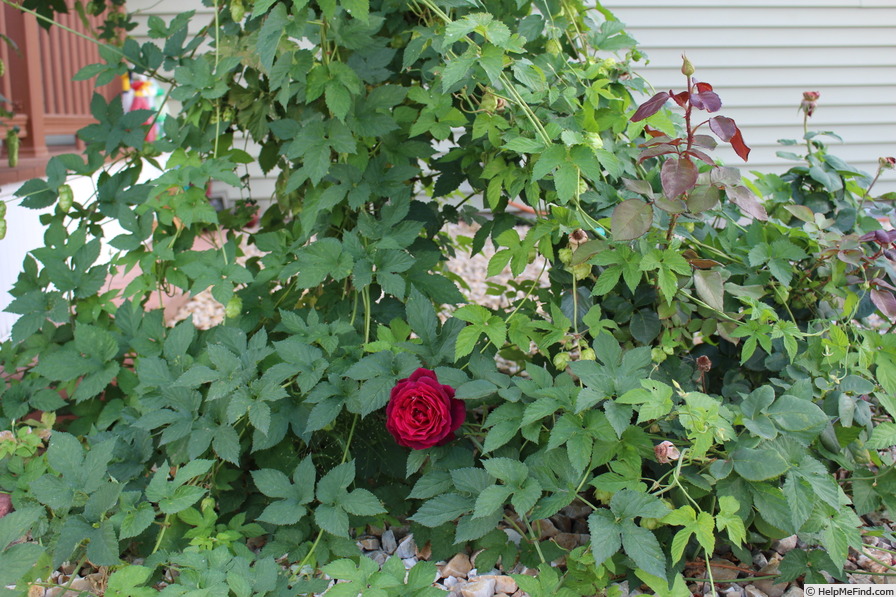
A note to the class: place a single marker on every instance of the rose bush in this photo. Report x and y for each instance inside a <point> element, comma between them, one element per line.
<point>423,413</point>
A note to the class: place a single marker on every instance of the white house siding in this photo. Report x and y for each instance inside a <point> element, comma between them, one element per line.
<point>760,55</point>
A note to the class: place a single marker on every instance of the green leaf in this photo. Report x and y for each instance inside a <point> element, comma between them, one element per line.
<point>729,518</point>
<point>758,464</point>
<point>361,502</point>
<point>269,37</point>
<point>335,482</point>
<point>125,582</point>
<point>182,498</point>
<point>605,536</point>
<point>796,414</point>
<point>319,260</point>
<point>359,9</point>
<point>508,470</point>
<point>16,524</point>
<point>629,503</point>
<point>710,288</point>
<point>136,521</point>
<point>332,519</point>
<point>631,219</point>
<point>442,509</point>
<point>642,546</point>
<point>272,483</point>
<point>491,499</point>
<point>882,437</point>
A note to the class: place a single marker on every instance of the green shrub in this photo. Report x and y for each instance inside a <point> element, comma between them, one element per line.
<point>694,371</point>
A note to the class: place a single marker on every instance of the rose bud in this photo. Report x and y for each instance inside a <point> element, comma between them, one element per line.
<point>887,163</point>
<point>665,452</point>
<point>704,364</point>
<point>687,69</point>
<point>809,103</point>
<point>423,413</point>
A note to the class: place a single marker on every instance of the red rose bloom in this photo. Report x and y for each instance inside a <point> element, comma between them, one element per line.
<point>422,412</point>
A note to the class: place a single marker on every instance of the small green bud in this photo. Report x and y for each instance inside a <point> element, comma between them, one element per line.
<point>587,354</point>
<point>66,198</point>
<point>553,47</point>
<point>687,69</point>
<point>237,10</point>
<point>565,255</point>
<point>12,147</point>
<point>580,271</point>
<point>234,307</point>
<point>561,360</point>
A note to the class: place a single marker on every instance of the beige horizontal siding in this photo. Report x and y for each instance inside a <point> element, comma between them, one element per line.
<point>760,55</point>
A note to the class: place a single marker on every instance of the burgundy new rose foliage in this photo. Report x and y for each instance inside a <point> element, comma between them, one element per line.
<point>423,413</point>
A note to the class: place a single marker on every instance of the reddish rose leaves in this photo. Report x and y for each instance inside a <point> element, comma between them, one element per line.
<point>651,106</point>
<point>423,413</point>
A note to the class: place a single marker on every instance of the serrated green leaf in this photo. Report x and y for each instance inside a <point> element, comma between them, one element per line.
<point>642,546</point>
<point>361,502</point>
<point>758,464</point>
<point>606,537</point>
<point>442,509</point>
<point>332,519</point>
<point>491,499</point>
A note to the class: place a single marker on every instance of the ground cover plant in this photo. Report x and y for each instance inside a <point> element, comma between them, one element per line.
<point>701,368</point>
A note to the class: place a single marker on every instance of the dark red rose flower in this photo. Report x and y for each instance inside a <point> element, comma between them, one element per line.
<point>423,413</point>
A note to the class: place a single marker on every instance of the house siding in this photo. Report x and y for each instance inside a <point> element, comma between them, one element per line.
<point>761,55</point>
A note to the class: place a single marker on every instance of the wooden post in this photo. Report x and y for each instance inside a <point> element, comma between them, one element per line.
<point>27,68</point>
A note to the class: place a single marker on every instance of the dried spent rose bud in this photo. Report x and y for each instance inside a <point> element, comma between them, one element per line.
<point>888,163</point>
<point>578,236</point>
<point>666,452</point>
<point>809,103</point>
<point>704,364</point>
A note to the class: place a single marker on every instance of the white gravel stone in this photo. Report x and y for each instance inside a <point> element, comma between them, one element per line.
<point>481,587</point>
<point>388,542</point>
<point>407,548</point>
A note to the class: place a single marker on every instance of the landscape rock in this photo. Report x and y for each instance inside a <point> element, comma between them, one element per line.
<point>759,560</point>
<point>503,583</point>
<point>752,591</point>
<point>722,570</point>
<point>407,548</point>
<point>388,542</point>
<point>378,556</point>
<point>767,585</point>
<point>513,536</point>
<point>793,591</point>
<point>784,545</point>
<point>458,566</point>
<point>369,543</point>
<point>734,590</point>
<point>481,587</point>
<point>424,553</point>
<point>567,541</point>
<point>546,529</point>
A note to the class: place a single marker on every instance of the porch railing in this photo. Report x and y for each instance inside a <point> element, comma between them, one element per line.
<point>48,106</point>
